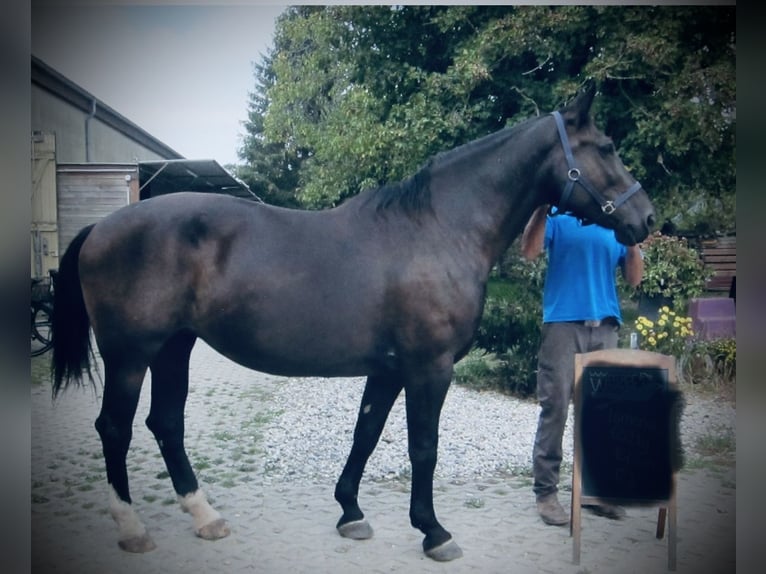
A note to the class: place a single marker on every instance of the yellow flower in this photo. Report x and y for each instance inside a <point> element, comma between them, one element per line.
<point>665,309</point>
<point>652,341</point>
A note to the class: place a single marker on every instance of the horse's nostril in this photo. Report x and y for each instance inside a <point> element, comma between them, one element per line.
<point>650,221</point>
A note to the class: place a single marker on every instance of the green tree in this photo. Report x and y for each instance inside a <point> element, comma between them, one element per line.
<point>362,95</point>
<point>269,169</point>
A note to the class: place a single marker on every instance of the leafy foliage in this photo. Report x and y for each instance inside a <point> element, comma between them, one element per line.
<point>510,328</point>
<point>352,97</point>
<point>672,269</point>
<point>270,170</point>
<point>357,96</point>
<point>713,361</point>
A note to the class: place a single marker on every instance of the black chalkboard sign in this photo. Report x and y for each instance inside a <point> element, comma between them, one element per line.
<point>627,421</point>
<point>625,433</point>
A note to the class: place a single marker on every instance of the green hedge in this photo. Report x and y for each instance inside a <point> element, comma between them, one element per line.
<point>504,357</point>
<point>508,338</point>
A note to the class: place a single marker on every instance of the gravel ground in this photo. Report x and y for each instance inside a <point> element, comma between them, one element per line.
<point>307,430</point>
<point>267,450</point>
<point>302,428</point>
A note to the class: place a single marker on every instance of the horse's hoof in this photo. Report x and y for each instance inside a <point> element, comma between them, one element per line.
<point>215,530</point>
<point>138,544</point>
<point>445,552</point>
<point>356,530</point>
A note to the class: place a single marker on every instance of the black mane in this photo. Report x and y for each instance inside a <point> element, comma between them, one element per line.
<point>412,195</point>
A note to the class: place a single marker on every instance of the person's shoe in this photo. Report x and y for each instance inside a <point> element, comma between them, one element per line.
<point>607,511</point>
<point>551,511</point>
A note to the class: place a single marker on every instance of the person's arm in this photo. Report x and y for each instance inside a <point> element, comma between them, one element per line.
<point>633,268</point>
<point>533,237</point>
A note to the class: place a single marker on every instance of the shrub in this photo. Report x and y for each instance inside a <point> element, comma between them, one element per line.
<point>724,354</point>
<point>509,331</point>
<point>712,363</point>
<point>479,369</point>
<point>519,370</point>
<point>672,270</point>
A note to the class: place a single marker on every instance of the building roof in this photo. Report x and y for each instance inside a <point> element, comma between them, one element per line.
<point>62,87</point>
<point>168,176</point>
<point>174,173</point>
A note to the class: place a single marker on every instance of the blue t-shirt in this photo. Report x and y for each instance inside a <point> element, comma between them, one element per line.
<point>580,283</point>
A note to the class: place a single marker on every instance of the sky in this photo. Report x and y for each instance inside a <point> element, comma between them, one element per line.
<point>181,73</point>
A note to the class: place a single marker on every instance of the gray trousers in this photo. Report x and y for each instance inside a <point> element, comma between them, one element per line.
<point>555,383</point>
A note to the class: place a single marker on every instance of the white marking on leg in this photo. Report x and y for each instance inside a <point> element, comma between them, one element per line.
<point>130,526</point>
<point>197,505</point>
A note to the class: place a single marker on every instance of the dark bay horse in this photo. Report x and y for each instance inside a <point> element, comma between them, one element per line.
<point>389,285</point>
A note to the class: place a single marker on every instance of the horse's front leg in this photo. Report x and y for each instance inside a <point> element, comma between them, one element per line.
<point>425,395</point>
<point>170,385</point>
<point>379,396</point>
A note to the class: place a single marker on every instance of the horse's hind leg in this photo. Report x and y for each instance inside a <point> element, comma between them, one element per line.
<point>122,387</point>
<point>170,386</point>
<point>379,396</point>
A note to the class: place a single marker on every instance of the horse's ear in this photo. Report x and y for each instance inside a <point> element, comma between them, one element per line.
<point>579,107</point>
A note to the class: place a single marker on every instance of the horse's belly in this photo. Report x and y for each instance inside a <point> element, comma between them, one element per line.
<point>293,347</point>
<point>294,363</point>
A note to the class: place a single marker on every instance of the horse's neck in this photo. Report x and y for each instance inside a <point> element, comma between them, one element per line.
<point>489,191</point>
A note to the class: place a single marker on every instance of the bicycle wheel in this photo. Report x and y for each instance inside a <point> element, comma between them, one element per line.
<point>41,329</point>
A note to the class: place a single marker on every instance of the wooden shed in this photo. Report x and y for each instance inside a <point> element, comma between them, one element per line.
<point>88,161</point>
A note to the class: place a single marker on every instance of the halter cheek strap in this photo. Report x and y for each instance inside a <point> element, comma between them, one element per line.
<point>574,176</point>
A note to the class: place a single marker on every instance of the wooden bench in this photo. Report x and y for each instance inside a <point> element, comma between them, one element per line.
<point>720,255</point>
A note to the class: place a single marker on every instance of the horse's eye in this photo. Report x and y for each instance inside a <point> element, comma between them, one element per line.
<point>606,148</point>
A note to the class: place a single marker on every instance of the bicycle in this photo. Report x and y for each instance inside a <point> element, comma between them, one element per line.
<point>42,309</point>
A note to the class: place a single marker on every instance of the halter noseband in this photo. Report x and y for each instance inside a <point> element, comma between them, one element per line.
<point>574,176</point>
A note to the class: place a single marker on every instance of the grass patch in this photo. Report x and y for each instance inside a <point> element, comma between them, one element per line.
<point>223,436</point>
<point>716,445</point>
<point>500,288</point>
<point>719,448</point>
<point>474,502</point>
<point>712,451</point>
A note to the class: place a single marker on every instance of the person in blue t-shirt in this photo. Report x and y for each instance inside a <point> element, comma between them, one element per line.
<point>581,313</point>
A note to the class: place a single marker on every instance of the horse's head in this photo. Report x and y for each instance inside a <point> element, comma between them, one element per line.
<point>592,182</point>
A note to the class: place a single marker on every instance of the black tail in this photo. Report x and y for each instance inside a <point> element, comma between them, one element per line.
<point>70,324</point>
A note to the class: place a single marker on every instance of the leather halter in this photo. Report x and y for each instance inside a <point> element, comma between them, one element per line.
<point>574,176</point>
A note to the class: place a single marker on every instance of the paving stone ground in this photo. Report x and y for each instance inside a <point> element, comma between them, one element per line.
<point>289,526</point>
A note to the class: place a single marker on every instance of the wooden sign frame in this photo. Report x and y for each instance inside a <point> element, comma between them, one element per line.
<point>622,359</point>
